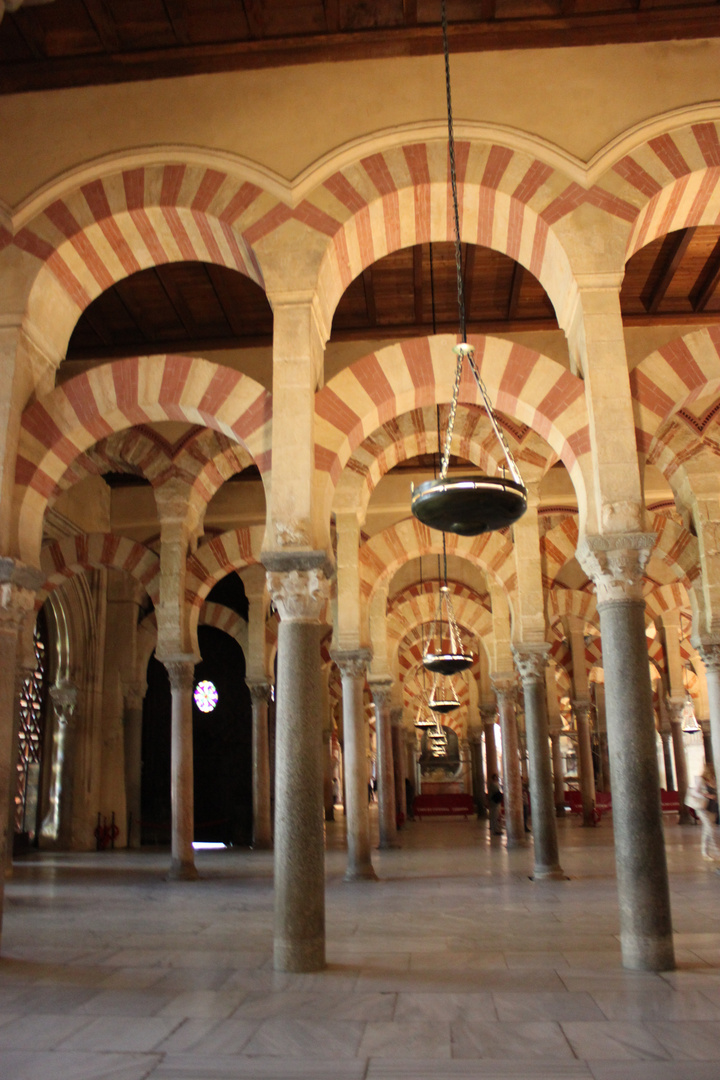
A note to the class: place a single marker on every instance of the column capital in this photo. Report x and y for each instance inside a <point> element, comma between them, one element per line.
<point>181,671</point>
<point>674,710</point>
<point>504,685</point>
<point>616,564</point>
<point>381,690</point>
<point>259,691</point>
<point>488,713</point>
<point>709,652</point>
<point>531,660</point>
<point>64,697</point>
<point>300,595</point>
<point>581,707</point>
<point>18,586</point>
<point>352,662</point>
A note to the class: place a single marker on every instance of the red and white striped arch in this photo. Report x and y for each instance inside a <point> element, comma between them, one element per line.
<point>666,598</point>
<point>557,549</point>
<point>220,556</point>
<point>412,608</point>
<point>561,603</point>
<point>670,380</point>
<point>382,555</point>
<point>63,559</point>
<point>119,223</point>
<point>59,427</point>
<point>509,201</point>
<point>225,619</point>
<point>673,180</point>
<point>419,373</point>
<point>678,549</point>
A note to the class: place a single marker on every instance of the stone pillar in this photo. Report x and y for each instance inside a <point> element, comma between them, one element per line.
<point>408,743</point>
<point>558,774</point>
<point>300,597</point>
<point>262,823</point>
<point>353,665</point>
<point>57,824</point>
<point>602,734</point>
<point>478,771</point>
<point>387,814</point>
<point>530,661</point>
<point>18,584</point>
<point>675,711</point>
<point>491,762</point>
<point>396,716</point>
<point>581,710</point>
<point>132,733</point>
<point>504,686</point>
<point>710,654</point>
<point>616,564</point>
<point>666,740</point>
<point>328,794</point>
<point>707,741</point>
<point>181,672</point>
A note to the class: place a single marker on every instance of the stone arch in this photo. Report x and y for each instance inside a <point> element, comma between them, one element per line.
<point>407,376</point>
<point>87,238</point>
<point>59,427</point>
<point>563,602</point>
<point>224,618</point>
<point>397,196</point>
<point>63,559</point>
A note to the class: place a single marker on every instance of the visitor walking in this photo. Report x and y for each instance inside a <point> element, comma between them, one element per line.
<point>702,798</point>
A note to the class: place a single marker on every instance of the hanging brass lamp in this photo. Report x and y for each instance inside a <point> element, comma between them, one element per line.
<point>445,653</point>
<point>467,505</point>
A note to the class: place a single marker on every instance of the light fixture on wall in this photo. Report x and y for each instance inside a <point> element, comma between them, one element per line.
<point>467,505</point>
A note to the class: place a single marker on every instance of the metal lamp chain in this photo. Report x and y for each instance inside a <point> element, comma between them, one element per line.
<point>514,471</point>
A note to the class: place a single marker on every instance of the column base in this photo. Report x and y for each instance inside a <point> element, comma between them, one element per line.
<point>182,872</point>
<point>299,957</point>
<point>549,873</point>
<point>559,810</point>
<point>520,842</point>
<point>648,954</point>
<point>365,873</point>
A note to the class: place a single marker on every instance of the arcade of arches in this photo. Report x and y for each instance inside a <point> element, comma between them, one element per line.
<point>218,380</point>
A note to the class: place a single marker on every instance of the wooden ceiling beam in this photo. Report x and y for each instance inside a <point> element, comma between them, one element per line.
<point>665,267</point>
<point>225,297</point>
<point>175,298</point>
<point>410,12</point>
<point>469,278</point>
<point>515,287</point>
<point>701,20</point>
<point>175,11</point>
<point>254,17</point>
<point>369,289</point>
<point>30,30</point>
<point>418,282</point>
<point>332,15</point>
<point>102,19</point>
<point>707,282</point>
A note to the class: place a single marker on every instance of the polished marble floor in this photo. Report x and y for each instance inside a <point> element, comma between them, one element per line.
<point>454,965</point>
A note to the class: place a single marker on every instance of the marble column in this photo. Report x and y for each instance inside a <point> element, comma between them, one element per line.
<point>666,740</point>
<point>707,741</point>
<point>478,771</point>
<point>18,584</point>
<point>558,773</point>
<point>300,597</point>
<point>710,654</point>
<point>530,661</point>
<point>262,822</point>
<point>396,716</point>
<point>181,673</point>
<point>353,666</point>
<point>675,711</point>
<point>328,794</point>
<point>581,711</point>
<point>132,736</point>
<point>616,564</point>
<point>491,763</point>
<point>505,690</point>
<point>387,814</point>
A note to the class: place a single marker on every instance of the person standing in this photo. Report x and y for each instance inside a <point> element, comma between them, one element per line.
<point>495,799</point>
<point>703,800</point>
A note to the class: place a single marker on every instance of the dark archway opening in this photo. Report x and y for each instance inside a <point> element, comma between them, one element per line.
<point>222,748</point>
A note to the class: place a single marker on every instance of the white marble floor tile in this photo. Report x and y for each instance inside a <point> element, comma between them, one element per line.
<point>55,1065</point>
<point>306,1038</point>
<point>305,1004</point>
<point>218,1067</point>
<point>198,1036</point>
<point>695,1040</point>
<point>30,1032</point>
<point>146,1002</point>
<point>406,1039</point>
<point>442,1006</point>
<point>613,1040</point>
<point>110,1034</point>
<point>522,1006</point>
<point>476,1069</point>
<point>535,1039</point>
<point>656,1004</point>
<point>655,1070</point>
<point>217,1004</point>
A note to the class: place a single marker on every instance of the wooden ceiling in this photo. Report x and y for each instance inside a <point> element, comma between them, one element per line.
<point>87,42</point>
<point>191,307</point>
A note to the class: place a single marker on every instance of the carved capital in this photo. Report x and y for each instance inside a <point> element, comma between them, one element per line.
<point>181,672</point>
<point>488,714</point>
<point>674,710</point>
<point>710,655</point>
<point>259,691</point>
<point>581,710</point>
<point>505,687</point>
<point>531,661</point>
<point>381,690</point>
<point>299,595</point>
<point>353,663</point>
<point>64,697</point>
<point>616,564</point>
<point>18,586</point>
